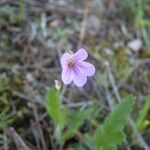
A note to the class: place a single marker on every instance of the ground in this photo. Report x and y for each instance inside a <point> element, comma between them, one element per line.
<point>34,35</point>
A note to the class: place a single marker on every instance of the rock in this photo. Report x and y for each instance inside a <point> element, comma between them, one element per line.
<point>135,45</point>
<point>93,23</point>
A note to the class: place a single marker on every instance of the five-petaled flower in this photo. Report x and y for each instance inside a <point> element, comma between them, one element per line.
<point>75,68</point>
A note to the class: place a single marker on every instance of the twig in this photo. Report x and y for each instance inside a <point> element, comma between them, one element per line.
<point>20,144</point>
<point>43,25</point>
<point>79,104</point>
<point>28,98</point>
<point>5,141</point>
<point>118,97</point>
<point>39,127</point>
<point>84,23</point>
<point>52,6</point>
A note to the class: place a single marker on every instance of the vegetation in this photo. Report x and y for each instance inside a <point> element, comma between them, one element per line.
<point>111,111</point>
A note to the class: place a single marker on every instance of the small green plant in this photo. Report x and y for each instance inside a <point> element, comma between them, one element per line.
<point>8,11</point>
<point>5,119</point>
<point>107,135</point>
<point>64,118</point>
<point>141,122</point>
<point>22,16</point>
<point>11,12</point>
<point>4,88</point>
<point>54,108</point>
<point>56,111</point>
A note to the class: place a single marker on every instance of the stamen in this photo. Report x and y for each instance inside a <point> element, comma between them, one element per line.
<point>71,63</point>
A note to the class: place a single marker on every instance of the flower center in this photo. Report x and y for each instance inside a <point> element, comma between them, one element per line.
<point>71,63</point>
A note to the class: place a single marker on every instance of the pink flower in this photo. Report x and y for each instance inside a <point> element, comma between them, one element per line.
<point>75,68</point>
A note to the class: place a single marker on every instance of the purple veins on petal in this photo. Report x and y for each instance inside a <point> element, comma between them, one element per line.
<point>64,59</point>
<point>78,78</point>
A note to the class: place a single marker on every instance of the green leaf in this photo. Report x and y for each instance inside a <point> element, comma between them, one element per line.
<point>54,108</point>
<point>9,11</point>
<point>141,119</point>
<point>109,135</point>
<point>76,119</point>
<point>80,147</point>
<point>5,119</point>
<point>146,37</point>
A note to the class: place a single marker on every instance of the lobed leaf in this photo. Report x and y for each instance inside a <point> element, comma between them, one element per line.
<point>109,135</point>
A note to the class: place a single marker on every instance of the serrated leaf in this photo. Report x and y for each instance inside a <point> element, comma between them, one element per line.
<point>109,135</point>
<point>54,107</point>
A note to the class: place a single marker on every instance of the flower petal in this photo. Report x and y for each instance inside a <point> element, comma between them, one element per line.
<point>86,68</point>
<point>66,75</point>
<point>81,54</point>
<point>64,59</point>
<point>78,78</point>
